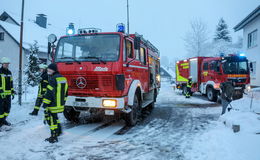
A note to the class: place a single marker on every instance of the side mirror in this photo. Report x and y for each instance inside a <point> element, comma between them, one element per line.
<point>52,38</point>
<point>49,49</point>
<point>137,43</point>
<point>251,66</point>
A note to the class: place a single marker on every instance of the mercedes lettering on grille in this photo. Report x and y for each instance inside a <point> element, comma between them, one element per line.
<point>81,82</point>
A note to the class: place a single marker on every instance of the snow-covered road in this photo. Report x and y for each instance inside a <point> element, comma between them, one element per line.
<point>167,133</point>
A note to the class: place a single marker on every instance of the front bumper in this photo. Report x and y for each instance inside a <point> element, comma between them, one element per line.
<point>95,102</point>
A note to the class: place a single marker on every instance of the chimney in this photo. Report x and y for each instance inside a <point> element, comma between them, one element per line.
<point>41,20</point>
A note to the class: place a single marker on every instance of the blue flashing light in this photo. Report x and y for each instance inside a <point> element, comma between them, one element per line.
<point>242,54</point>
<point>70,30</point>
<point>121,28</point>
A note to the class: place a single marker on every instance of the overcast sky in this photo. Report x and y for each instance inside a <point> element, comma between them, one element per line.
<point>163,22</point>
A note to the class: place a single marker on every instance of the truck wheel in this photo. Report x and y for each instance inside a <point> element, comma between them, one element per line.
<point>132,117</point>
<point>71,115</point>
<point>211,94</point>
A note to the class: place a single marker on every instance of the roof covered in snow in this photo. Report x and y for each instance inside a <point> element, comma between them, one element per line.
<point>169,70</point>
<point>255,13</point>
<point>32,32</point>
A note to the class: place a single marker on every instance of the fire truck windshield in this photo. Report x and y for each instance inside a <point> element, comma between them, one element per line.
<point>91,48</point>
<point>235,67</point>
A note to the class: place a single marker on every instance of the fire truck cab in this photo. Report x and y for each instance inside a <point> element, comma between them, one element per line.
<point>109,73</point>
<point>209,72</point>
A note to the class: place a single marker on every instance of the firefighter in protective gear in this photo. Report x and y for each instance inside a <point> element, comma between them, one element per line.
<point>54,101</point>
<point>6,91</point>
<point>188,85</point>
<point>42,89</point>
<point>227,91</point>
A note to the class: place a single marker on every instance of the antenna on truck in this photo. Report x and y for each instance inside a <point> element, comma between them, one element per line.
<point>127,17</point>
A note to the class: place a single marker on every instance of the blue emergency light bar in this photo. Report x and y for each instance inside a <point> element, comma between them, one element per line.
<point>120,27</point>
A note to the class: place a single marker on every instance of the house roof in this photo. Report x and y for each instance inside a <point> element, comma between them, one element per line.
<point>31,33</point>
<point>169,71</point>
<point>5,15</point>
<point>255,13</point>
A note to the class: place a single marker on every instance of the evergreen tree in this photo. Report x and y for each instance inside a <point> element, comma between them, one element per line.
<point>222,32</point>
<point>33,71</point>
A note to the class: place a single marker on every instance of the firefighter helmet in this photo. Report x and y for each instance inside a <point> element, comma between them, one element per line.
<point>43,66</point>
<point>5,60</point>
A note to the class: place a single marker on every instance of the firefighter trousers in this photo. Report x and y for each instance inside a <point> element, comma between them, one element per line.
<point>38,103</point>
<point>225,104</point>
<point>54,123</point>
<point>5,106</point>
<point>188,92</point>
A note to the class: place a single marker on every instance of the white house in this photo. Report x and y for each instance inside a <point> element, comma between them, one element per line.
<point>251,43</point>
<point>10,38</point>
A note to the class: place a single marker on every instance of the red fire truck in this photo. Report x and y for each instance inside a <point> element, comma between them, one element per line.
<point>208,72</point>
<point>109,73</point>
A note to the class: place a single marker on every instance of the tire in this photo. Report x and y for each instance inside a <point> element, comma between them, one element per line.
<point>71,115</point>
<point>132,117</point>
<point>150,107</point>
<point>211,94</point>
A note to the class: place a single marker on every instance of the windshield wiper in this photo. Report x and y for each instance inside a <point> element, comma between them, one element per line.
<point>71,58</point>
<point>97,58</point>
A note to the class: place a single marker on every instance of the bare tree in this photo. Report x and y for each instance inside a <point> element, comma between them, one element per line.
<point>196,39</point>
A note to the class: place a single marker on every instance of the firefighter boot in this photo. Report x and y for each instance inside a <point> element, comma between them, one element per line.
<point>34,112</point>
<point>5,122</point>
<point>1,123</point>
<point>52,139</point>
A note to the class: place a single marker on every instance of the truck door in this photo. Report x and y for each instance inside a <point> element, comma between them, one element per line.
<point>144,73</point>
<point>205,72</point>
<point>214,71</point>
<point>127,58</point>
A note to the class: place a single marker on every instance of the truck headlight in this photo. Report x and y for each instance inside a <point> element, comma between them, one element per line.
<point>217,85</point>
<point>158,77</point>
<point>248,88</point>
<point>109,103</point>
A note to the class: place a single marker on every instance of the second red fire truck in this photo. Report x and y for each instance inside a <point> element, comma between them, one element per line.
<point>110,73</point>
<point>208,72</point>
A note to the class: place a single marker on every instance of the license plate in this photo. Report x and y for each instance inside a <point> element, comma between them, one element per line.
<point>80,104</point>
<point>109,112</point>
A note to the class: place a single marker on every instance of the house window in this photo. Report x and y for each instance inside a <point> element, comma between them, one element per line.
<point>252,39</point>
<point>2,36</point>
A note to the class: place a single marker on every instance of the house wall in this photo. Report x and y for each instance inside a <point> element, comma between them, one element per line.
<point>9,48</point>
<point>253,53</point>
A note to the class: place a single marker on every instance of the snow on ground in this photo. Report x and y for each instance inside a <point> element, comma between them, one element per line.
<point>177,129</point>
<point>220,142</point>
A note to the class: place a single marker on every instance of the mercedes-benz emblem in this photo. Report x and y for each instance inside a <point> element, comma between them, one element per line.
<point>81,82</point>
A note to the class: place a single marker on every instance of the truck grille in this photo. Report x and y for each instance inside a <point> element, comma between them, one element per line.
<point>237,80</point>
<point>98,83</point>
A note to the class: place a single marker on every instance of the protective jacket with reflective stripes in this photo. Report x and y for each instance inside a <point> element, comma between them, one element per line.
<point>43,85</point>
<point>6,82</point>
<point>189,84</point>
<point>56,95</point>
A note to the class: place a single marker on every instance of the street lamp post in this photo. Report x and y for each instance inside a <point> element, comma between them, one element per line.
<point>20,58</point>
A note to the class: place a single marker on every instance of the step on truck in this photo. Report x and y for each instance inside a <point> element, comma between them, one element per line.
<point>209,72</point>
<point>109,73</point>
